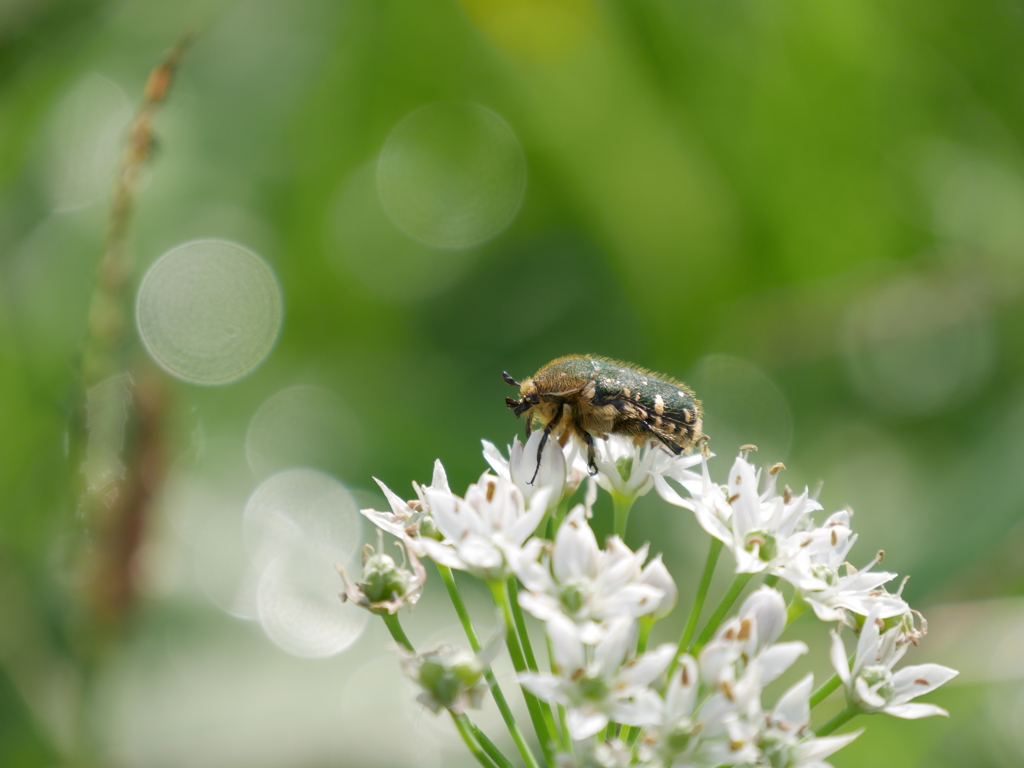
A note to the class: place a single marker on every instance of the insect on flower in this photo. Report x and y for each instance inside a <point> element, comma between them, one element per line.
<point>585,397</point>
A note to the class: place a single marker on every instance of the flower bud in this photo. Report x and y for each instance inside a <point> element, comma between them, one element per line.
<point>450,679</point>
<point>384,586</point>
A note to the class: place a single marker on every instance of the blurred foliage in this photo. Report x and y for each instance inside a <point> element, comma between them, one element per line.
<point>812,212</point>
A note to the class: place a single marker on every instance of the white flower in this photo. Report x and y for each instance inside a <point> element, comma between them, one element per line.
<point>831,587</point>
<point>749,637</point>
<point>588,585</point>
<point>629,470</point>
<point>484,533</point>
<point>597,684</point>
<point>764,529</point>
<point>870,683</point>
<point>684,733</point>
<point>410,521</point>
<point>522,467</point>
<point>784,739</point>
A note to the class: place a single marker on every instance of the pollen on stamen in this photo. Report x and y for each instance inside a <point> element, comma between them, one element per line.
<point>733,498</point>
<point>776,468</point>
<point>921,681</point>
<point>747,448</point>
<point>744,633</point>
<point>787,495</point>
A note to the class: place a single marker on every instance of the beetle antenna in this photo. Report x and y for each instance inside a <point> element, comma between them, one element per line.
<point>509,380</point>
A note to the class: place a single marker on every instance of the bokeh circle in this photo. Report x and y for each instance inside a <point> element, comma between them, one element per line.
<point>209,311</point>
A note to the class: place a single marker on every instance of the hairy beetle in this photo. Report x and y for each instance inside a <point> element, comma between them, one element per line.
<point>585,397</point>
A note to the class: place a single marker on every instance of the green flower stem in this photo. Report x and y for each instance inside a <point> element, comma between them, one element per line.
<point>465,729</point>
<point>698,603</point>
<point>622,505</point>
<point>545,734</point>
<point>395,628</point>
<point>477,742</point>
<point>735,589</point>
<point>826,688</point>
<point>771,580</point>
<point>520,620</point>
<point>838,721</point>
<point>646,624</point>
<point>524,639</point>
<point>474,641</point>
<point>627,733</point>
<point>490,747</point>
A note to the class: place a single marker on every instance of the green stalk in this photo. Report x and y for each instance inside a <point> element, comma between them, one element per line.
<point>646,624</point>
<point>622,506</point>
<point>698,603</point>
<point>540,726</point>
<point>826,688</point>
<point>395,628</point>
<point>490,747</point>
<point>466,731</point>
<point>735,589</point>
<point>838,721</point>
<point>474,641</point>
<point>524,639</point>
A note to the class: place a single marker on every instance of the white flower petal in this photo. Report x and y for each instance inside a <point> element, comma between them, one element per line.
<point>565,646</point>
<point>793,707</point>
<point>837,655</point>
<point>440,479</point>
<point>915,711</point>
<point>913,681</point>
<point>648,667</point>
<point>576,552</point>
<point>767,608</point>
<point>642,708</point>
<point>585,722</point>
<point>494,457</point>
<point>544,686</point>
<point>610,653</point>
<point>814,749</point>
<point>776,659</point>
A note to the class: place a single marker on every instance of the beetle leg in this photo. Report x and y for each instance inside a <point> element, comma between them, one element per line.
<point>591,455</point>
<point>666,441</point>
<point>543,441</point>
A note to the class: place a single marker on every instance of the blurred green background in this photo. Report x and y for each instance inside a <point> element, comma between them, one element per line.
<point>812,212</point>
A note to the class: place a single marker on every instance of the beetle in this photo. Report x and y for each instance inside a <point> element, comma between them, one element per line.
<point>587,397</point>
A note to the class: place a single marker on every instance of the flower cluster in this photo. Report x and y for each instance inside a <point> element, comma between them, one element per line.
<point>604,698</point>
